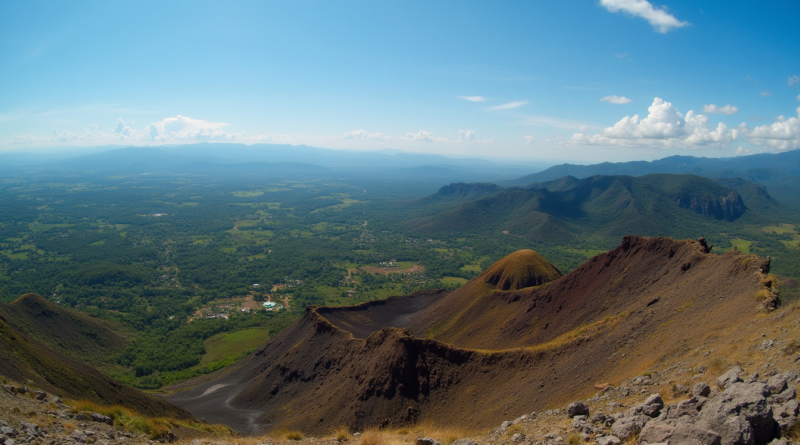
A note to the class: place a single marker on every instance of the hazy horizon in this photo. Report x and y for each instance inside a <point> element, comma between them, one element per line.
<point>586,82</point>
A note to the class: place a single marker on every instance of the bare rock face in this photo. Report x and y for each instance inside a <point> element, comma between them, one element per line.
<point>741,415</point>
<point>628,426</point>
<point>730,377</point>
<point>729,207</point>
<point>678,431</point>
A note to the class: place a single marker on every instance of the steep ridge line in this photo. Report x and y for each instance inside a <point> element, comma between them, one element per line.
<point>75,334</point>
<point>544,345</point>
<point>25,359</point>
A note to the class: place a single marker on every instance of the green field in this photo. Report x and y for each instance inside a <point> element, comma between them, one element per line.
<point>231,344</point>
<point>742,245</point>
<point>247,194</point>
<point>39,227</point>
<point>780,229</point>
<point>448,281</point>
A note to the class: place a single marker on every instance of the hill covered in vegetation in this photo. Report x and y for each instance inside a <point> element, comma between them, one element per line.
<point>613,206</point>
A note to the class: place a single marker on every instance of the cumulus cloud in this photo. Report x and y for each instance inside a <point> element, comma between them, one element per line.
<point>727,109</point>
<point>530,139</point>
<point>664,126</point>
<point>509,105</point>
<point>473,98</point>
<point>616,100</point>
<point>467,136</point>
<point>659,18</point>
<point>793,80</point>
<point>781,135</point>
<point>422,136</point>
<point>182,128</point>
<point>766,93</point>
<point>363,135</point>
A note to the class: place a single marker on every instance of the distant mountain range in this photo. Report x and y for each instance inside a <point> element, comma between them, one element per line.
<point>779,172</point>
<point>612,206</point>
<point>298,161</point>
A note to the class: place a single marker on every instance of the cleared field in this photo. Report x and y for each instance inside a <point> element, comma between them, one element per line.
<point>474,267</point>
<point>39,227</point>
<point>780,229</point>
<point>453,280</point>
<point>230,344</point>
<point>742,245</point>
<point>247,194</point>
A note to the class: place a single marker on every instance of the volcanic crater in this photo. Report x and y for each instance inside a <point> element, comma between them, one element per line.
<point>519,337</point>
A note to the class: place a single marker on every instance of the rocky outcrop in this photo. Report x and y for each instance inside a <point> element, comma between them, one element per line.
<point>728,207</point>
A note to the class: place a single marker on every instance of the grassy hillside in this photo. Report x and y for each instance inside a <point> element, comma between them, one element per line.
<point>71,333</point>
<point>26,360</point>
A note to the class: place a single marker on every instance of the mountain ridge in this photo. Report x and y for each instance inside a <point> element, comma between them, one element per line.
<point>318,373</point>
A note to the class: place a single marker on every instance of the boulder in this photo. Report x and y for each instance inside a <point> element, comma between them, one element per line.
<point>427,441</point>
<point>78,436</point>
<point>608,440</point>
<point>678,432</point>
<point>577,409</point>
<point>96,417</point>
<point>8,431</point>
<point>730,377</point>
<point>651,407</point>
<point>626,426</point>
<point>777,383</point>
<point>464,442</point>
<point>789,393</point>
<point>701,389</point>
<point>741,415</point>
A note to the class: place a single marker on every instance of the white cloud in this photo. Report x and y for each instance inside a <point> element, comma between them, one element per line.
<point>664,127</point>
<point>662,20</point>
<point>422,136</point>
<point>616,100</point>
<point>473,98</point>
<point>509,105</point>
<point>182,128</point>
<point>766,93</point>
<point>363,135</point>
<point>530,139</point>
<point>548,121</point>
<point>781,135</point>
<point>793,80</point>
<point>467,136</point>
<point>727,109</point>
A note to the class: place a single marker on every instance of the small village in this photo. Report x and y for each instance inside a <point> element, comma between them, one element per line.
<point>276,300</point>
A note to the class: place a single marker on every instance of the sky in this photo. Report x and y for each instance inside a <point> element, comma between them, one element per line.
<point>571,80</point>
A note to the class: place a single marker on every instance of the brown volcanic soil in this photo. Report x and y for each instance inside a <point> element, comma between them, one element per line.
<point>75,334</point>
<point>647,301</point>
<point>24,359</point>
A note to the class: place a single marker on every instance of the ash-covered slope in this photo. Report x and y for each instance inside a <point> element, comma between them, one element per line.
<point>505,351</point>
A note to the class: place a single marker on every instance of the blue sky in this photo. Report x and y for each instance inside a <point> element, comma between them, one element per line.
<point>559,80</point>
